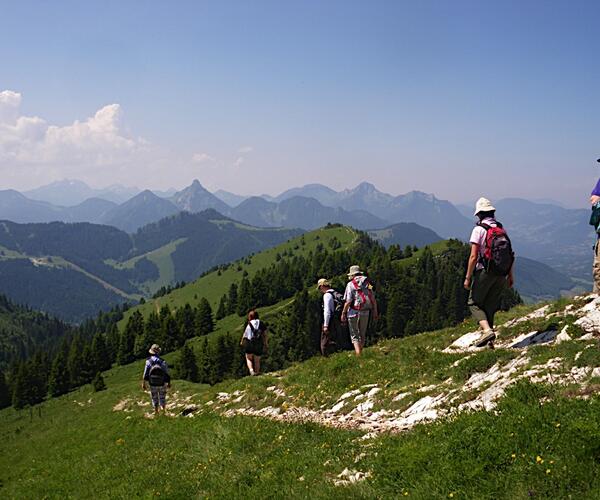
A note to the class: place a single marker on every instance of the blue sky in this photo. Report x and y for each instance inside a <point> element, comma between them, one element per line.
<point>454,98</point>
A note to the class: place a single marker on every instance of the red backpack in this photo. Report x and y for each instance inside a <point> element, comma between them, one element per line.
<point>363,299</point>
<point>498,256</point>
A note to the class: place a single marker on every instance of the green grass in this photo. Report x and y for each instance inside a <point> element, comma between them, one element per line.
<point>215,284</point>
<point>540,442</point>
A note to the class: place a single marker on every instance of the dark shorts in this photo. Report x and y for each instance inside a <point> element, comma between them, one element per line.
<point>252,347</point>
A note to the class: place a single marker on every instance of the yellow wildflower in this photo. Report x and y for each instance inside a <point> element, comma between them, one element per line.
<point>539,460</point>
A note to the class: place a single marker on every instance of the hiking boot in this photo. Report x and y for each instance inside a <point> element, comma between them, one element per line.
<point>488,337</point>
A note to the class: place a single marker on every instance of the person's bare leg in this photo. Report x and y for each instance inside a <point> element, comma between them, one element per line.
<point>357,348</point>
<point>485,325</point>
<point>256,365</point>
<point>250,363</point>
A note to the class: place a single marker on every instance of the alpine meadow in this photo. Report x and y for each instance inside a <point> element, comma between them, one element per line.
<point>300,250</point>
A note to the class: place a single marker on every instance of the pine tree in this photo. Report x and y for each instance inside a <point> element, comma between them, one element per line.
<point>75,362</point>
<point>58,382</point>
<point>232,299</point>
<point>113,338</point>
<point>244,298</point>
<point>134,327</point>
<point>186,321</point>
<point>98,383</point>
<point>88,365</point>
<point>21,387</point>
<point>152,330</point>
<point>5,397</point>
<point>222,309</point>
<point>100,353</point>
<point>38,376</point>
<point>188,368</point>
<point>171,334</point>
<point>203,362</point>
<point>204,318</point>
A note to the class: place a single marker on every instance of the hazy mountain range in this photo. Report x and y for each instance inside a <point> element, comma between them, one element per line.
<point>552,234</point>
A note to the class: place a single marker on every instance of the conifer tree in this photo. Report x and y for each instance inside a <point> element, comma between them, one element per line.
<point>152,330</point>
<point>133,329</point>
<point>58,382</point>
<point>232,299</point>
<point>203,362</point>
<point>100,353</point>
<point>170,334</point>
<point>188,368</point>
<point>222,309</point>
<point>113,338</point>
<point>88,365</point>
<point>204,318</point>
<point>38,378</point>
<point>244,297</point>
<point>186,321</point>
<point>21,387</point>
<point>98,383</point>
<point>5,396</point>
<point>75,362</point>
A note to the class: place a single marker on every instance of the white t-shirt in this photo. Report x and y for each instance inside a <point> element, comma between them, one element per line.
<point>349,296</point>
<point>478,237</point>
<point>248,331</point>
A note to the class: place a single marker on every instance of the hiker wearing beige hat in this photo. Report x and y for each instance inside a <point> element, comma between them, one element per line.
<point>333,304</point>
<point>156,375</point>
<point>489,270</point>
<point>359,303</point>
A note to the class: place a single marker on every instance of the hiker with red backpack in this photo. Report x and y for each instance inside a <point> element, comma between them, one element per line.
<point>490,269</point>
<point>156,375</point>
<point>333,305</point>
<point>359,304</point>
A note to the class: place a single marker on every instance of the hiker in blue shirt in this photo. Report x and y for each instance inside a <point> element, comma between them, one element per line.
<point>156,375</point>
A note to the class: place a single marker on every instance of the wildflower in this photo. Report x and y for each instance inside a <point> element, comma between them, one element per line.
<point>539,460</point>
<point>552,461</point>
<point>547,471</point>
<point>451,495</point>
<point>120,441</point>
<point>406,493</point>
<point>558,425</point>
<point>513,455</point>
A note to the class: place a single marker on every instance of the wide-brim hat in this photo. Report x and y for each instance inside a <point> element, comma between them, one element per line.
<point>323,282</point>
<point>354,271</point>
<point>155,349</point>
<point>484,205</point>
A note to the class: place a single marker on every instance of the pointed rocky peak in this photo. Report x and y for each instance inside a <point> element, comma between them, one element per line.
<point>196,198</point>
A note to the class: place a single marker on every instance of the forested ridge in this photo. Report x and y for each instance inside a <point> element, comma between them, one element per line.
<point>416,292</point>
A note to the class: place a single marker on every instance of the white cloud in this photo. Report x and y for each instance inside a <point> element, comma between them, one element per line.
<point>245,150</point>
<point>97,141</point>
<point>239,161</point>
<point>203,158</point>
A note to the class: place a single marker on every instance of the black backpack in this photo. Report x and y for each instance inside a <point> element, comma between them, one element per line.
<point>257,333</point>
<point>595,217</point>
<point>338,300</point>
<point>156,375</point>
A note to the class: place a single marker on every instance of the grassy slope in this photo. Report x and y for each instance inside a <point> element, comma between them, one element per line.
<point>80,448</point>
<point>161,257</point>
<point>214,285</point>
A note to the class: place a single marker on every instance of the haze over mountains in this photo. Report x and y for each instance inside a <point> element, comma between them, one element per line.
<point>555,236</point>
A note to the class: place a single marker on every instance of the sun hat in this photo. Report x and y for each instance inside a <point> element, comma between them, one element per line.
<point>323,282</point>
<point>354,270</point>
<point>155,349</point>
<point>484,205</point>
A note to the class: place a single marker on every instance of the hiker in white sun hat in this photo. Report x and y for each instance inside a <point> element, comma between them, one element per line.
<point>359,303</point>
<point>490,268</point>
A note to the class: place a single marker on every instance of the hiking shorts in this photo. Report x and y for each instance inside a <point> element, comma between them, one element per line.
<point>358,327</point>
<point>254,347</point>
<point>159,395</point>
